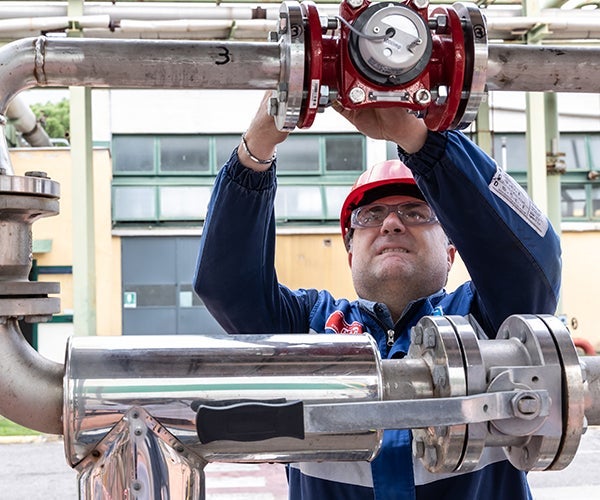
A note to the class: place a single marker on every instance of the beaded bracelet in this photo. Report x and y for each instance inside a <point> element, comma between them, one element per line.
<point>254,158</point>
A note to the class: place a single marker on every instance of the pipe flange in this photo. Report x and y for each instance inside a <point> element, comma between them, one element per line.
<point>28,288</point>
<point>572,390</point>
<point>433,339</point>
<point>286,103</point>
<point>33,183</point>
<point>539,451</point>
<point>476,384</point>
<point>32,310</point>
<point>476,55</point>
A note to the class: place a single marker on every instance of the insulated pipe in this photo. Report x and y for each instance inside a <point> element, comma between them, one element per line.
<point>26,122</point>
<point>31,389</point>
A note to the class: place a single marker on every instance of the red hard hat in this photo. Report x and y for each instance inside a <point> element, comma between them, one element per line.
<point>387,178</point>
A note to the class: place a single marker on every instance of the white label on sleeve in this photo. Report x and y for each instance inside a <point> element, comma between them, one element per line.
<point>506,188</point>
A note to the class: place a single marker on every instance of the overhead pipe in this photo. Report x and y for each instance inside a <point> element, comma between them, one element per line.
<point>26,122</point>
<point>191,20</point>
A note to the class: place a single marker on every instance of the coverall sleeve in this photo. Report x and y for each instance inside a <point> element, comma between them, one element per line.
<point>235,274</point>
<point>509,247</point>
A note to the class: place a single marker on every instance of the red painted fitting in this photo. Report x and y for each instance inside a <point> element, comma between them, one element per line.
<point>584,345</point>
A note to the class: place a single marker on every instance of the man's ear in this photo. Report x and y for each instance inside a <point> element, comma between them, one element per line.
<point>451,253</point>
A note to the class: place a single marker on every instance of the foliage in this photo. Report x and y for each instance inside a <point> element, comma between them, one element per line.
<point>54,117</point>
<point>9,428</point>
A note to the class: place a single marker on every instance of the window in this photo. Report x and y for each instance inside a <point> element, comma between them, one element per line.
<point>169,178</point>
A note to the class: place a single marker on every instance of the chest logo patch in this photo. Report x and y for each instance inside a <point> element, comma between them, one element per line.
<point>337,323</point>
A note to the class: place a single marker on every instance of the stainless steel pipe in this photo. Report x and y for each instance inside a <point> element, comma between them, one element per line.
<point>169,377</point>
<point>539,68</point>
<point>167,64</point>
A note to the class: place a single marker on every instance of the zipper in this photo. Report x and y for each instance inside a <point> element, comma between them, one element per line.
<point>390,337</point>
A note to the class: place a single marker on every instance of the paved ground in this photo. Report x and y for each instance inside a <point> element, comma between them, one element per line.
<point>38,471</point>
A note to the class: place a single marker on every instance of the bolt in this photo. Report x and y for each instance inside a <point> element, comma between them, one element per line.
<point>431,457</point>
<point>375,29</point>
<point>138,432</point>
<point>418,448</point>
<point>422,96</point>
<point>526,405</point>
<point>442,95</point>
<point>429,338</point>
<point>324,98</point>
<point>283,23</point>
<point>357,95</point>
<point>136,485</point>
<point>282,92</point>
<point>416,335</point>
<point>273,106</point>
<point>179,448</point>
<point>35,173</point>
<point>421,4</point>
<point>135,414</point>
<point>439,23</point>
<point>355,4</point>
<point>439,376</point>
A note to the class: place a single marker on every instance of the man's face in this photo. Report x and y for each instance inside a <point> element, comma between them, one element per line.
<point>415,258</point>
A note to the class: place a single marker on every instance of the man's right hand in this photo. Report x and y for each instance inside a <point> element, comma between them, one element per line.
<point>261,137</point>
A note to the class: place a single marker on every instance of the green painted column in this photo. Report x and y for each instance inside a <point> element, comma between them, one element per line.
<point>84,260</point>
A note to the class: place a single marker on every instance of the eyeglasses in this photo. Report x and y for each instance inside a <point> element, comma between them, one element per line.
<point>410,213</point>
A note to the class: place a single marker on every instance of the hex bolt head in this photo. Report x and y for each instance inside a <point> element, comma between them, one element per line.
<point>357,95</point>
<point>416,335</point>
<point>439,376</point>
<point>355,4</point>
<point>429,338</point>
<point>526,405</point>
<point>421,4</point>
<point>422,96</point>
<point>418,448</point>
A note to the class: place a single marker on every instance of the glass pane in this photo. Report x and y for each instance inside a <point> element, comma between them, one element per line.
<point>184,154</point>
<point>134,203</point>
<point>298,202</point>
<point>573,145</point>
<point>594,145</point>
<point>133,153</point>
<point>510,152</point>
<point>344,152</point>
<point>299,153</point>
<point>595,202</point>
<point>573,200</point>
<point>334,199</point>
<point>184,202</point>
<point>225,145</point>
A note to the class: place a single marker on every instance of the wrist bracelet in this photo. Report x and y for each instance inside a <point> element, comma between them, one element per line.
<point>254,158</point>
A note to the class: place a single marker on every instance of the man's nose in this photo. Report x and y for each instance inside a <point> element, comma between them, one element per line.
<point>392,224</point>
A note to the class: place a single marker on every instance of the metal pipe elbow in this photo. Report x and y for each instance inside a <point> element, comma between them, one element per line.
<point>31,386</point>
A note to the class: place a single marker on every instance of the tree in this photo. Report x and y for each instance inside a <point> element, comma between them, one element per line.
<point>54,117</point>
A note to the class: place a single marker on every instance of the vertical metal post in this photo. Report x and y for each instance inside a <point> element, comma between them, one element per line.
<point>483,133</point>
<point>84,261</point>
<point>536,133</point>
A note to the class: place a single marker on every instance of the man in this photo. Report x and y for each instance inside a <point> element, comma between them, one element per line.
<point>401,232</point>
